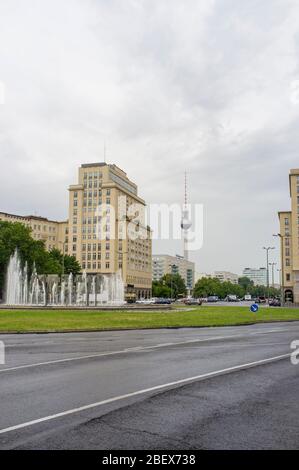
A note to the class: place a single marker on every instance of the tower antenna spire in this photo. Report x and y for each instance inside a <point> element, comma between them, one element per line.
<point>185,223</point>
<point>105,151</point>
<point>185,188</point>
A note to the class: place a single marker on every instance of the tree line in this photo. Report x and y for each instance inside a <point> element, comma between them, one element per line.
<point>173,286</point>
<point>212,286</point>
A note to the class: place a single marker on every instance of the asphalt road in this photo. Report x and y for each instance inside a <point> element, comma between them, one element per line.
<point>205,388</point>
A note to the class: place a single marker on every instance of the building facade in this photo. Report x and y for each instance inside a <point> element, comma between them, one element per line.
<point>166,264</point>
<point>257,275</point>
<point>106,229</point>
<point>226,276</point>
<point>289,242</point>
<point>49,231</point>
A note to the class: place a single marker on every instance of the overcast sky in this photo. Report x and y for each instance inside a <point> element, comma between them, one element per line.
<point>207,86</point>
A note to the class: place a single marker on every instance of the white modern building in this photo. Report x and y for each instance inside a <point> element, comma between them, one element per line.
<point>166,264</point>
<point>257,275</point>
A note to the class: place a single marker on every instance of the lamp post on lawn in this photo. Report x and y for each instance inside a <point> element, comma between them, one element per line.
<point>268,248</point>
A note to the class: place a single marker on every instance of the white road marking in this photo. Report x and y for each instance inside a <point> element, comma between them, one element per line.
<point>135,349</point>
<point>146,390</point>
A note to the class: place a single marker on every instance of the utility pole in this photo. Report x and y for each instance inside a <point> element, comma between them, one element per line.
<point>273,264</point>
<point>268,248</point>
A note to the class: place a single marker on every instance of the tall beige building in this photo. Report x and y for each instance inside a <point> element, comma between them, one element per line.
<point>106,229</point>
<point>289,238</point>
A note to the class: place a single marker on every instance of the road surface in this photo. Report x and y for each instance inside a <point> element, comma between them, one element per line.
<point>192,388</point>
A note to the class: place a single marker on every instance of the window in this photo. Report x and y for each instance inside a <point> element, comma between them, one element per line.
<point>107,265</point>
<point>286,221</point>
<point>288,277</point>
<point>288,262</point>
<point>287,252</point>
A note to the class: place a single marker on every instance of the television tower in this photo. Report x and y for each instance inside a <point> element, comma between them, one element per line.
<point>185,222</point>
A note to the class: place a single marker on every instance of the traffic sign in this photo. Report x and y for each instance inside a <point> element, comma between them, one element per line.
<point>254,308</point>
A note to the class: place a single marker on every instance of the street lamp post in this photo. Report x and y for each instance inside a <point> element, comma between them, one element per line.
<point>172,266</point>
<point>268,248</point>
<point>282,265</point>
<point>63,255</point>
<point>280,279</point>
<point>272,264</point>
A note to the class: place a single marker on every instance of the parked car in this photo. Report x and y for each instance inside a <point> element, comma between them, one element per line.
<point>212,298</point>
<point>247,297</point>
<point>162,301</point>
<point>192,301</point>
<point>275,303</point>
<point>261,300</point>
<point>231,298</point>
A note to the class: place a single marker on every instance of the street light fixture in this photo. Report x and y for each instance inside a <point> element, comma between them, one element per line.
<point>268,248</point>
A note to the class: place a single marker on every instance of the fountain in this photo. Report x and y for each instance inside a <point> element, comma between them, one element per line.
<point>66,291</point>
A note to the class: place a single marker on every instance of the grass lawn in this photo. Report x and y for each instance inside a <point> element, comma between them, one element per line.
<point>57,320</point>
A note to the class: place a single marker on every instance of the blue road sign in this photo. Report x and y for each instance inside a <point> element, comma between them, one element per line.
<point>254,308</point>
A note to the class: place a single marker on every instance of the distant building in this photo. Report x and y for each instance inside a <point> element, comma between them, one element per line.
<point>51,232</point>
<point>166,264</point>
<point>257,275</point>
<point>226,276</point>
<point>199,276</point>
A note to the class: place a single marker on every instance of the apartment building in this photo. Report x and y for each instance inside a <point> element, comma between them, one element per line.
<point>226,276</point>
<point>289,242</point>
<point>166,264</point>
<point>106,229</point>
<point>49,231</point>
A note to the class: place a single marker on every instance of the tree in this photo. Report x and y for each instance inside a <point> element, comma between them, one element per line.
<point>245,282</point>
<point>160,291</point>
<point>170,285</point>
<point>207,286</point>
<point>70,263</point>
<point>175,283</point>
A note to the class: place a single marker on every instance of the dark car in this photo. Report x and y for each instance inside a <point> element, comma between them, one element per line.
<point>212,298</point>
<point>162,301</point>
<point>260,300</point>
<point>275,303</point>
